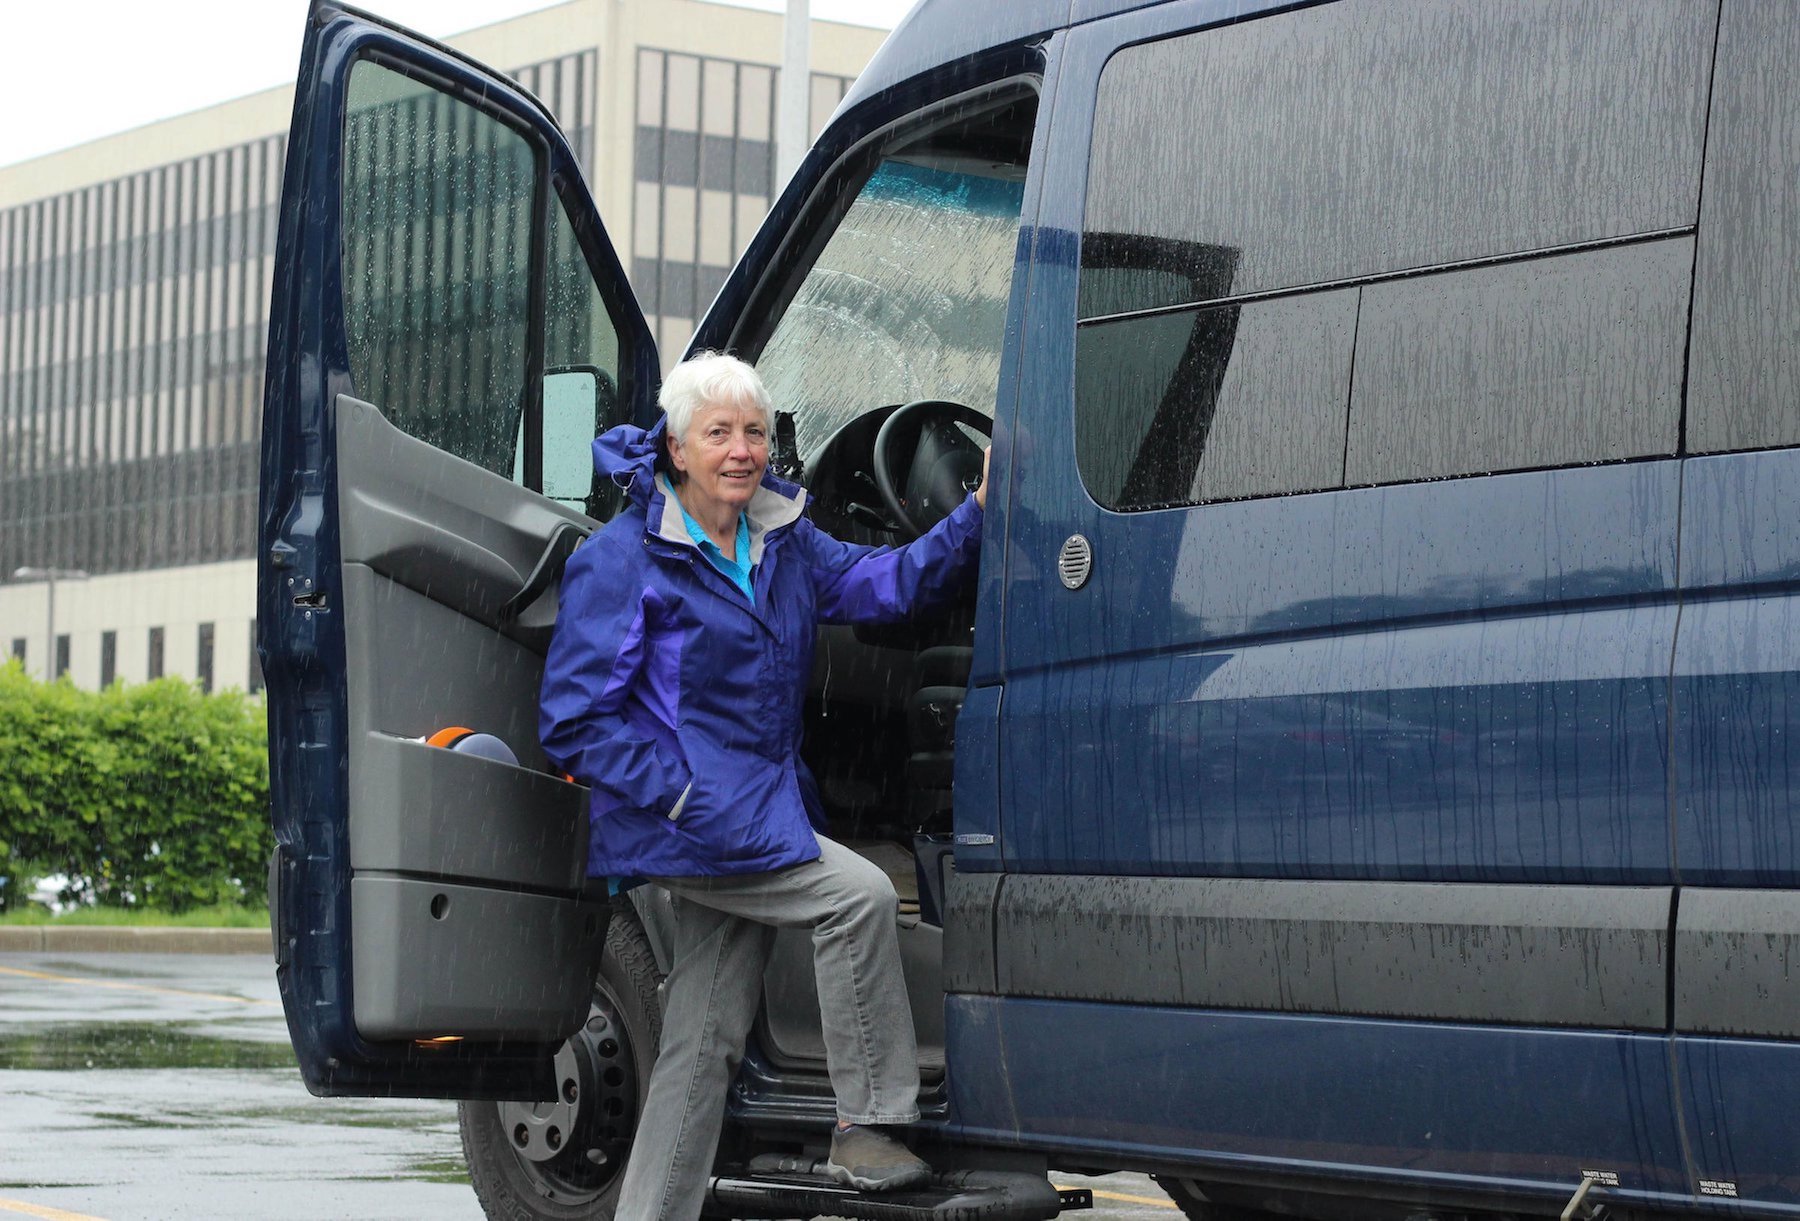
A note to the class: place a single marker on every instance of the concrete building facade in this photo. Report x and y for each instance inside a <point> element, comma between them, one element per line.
<point>134,282</point>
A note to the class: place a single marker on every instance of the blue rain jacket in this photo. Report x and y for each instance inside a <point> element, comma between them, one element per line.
<point>678,702</point>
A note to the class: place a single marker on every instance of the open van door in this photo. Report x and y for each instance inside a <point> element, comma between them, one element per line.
<point>450,329</point>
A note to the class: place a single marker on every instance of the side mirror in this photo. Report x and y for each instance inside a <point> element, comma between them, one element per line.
<point>579,401</point>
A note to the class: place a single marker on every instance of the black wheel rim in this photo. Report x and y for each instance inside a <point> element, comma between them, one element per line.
<point>572,1149</point>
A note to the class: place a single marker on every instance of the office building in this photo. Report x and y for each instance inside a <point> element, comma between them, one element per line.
<point>134,284</point>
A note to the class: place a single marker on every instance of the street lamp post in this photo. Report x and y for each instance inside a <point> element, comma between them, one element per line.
<point>50,576</point>
<point>793,121</point>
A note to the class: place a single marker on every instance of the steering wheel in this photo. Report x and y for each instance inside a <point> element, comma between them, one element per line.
<point>945,466</point>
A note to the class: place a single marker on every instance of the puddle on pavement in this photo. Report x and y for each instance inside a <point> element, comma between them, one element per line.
<point>112,1045</point>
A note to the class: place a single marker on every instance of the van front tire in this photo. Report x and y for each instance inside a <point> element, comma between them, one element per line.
<point>564,1161</point>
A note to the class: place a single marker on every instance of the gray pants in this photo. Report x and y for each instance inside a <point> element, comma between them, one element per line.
<point>725,927</point>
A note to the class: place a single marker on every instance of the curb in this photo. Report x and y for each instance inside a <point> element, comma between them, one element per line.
<point>100,939</point>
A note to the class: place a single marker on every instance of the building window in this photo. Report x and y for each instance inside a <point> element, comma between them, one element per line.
<point>62,655</point>
<point>18,649</point>
<point>256,674</point>
<point>704,173</point>
<point>155,667</point>
<point>109,658</point>
<point>203,665</point>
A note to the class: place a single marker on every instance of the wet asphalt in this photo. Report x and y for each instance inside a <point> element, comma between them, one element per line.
<point>148,1086</point>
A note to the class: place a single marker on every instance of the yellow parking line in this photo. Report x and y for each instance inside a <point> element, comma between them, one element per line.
<point>1130,1199</point>
<point>111,983</point>
<point>40,1210</point>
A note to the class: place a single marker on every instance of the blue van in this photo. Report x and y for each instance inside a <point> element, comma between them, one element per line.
<point>1364,781</point>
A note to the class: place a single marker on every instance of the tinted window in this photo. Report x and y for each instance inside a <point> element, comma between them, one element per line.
<point>1548,362</point>
<point>1744,379</point>
<point>1210,404</point>
<point>1366,137</point>
<point>109,658</point>
<point>153,663</point>
<point>437,211</point>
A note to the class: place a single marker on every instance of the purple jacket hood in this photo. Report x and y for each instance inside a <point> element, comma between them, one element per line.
<point>626,454</point>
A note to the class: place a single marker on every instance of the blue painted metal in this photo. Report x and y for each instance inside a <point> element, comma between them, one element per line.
<point>1737,672</point>
<point>1465,679</point>
<point>1740,1119</point>
<point>1392,1106</point>
<point>302,645</point>
<point>936,34</point>
<point>1460,680</point>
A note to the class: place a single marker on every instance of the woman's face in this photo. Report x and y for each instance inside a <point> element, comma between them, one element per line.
<point>723,454</point>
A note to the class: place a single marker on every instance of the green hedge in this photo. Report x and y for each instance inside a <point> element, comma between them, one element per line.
<point>153,796</point>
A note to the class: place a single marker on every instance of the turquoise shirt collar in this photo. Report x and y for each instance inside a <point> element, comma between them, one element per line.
<point>738,570</point>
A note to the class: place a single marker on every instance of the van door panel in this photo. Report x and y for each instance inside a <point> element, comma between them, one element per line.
<point>1420,681</point>
<point>435,936</point>
<point>1450,698</point>
<point>1737,656</point>
<point>445,528</point>
<point>1520,1112</point>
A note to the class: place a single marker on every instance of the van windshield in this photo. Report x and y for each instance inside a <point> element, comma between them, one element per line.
<point>907,299</point>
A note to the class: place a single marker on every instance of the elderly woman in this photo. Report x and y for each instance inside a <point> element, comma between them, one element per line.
<point>674,689</point>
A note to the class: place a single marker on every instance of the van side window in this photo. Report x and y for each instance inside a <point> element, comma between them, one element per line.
<point>1244,325</point>
<point>436,262</point>
<point>438,235</point>
<point>1214,403</point>
<point>1744,372</point>
<point>1547,362</point>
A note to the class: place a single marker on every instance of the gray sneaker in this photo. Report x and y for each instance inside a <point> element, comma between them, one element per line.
<point>868,1159</point>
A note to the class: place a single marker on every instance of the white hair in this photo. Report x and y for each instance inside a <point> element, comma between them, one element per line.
<point>711,377</point>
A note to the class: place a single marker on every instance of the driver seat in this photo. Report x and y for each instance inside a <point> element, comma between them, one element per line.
<point>940,678</point>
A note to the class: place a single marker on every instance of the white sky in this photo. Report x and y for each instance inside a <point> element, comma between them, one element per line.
<point>74,70</point>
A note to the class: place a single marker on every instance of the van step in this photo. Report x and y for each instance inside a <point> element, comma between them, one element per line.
<point>776,1186</point>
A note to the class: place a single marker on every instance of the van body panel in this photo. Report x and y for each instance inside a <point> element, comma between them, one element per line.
<point>1516,1112</point>
<point>936,33</point>
<point>1261,721</point>
<point>1737,668</point>
<point>1739,1118</point>
<point>1737,962</point>
<point>1531,747</point>
<point>1540,955</point>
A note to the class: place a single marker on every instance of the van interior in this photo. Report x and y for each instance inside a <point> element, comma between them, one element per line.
<point>884,364</point>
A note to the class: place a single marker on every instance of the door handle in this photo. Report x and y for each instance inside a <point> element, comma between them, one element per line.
<point>546,572</point>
